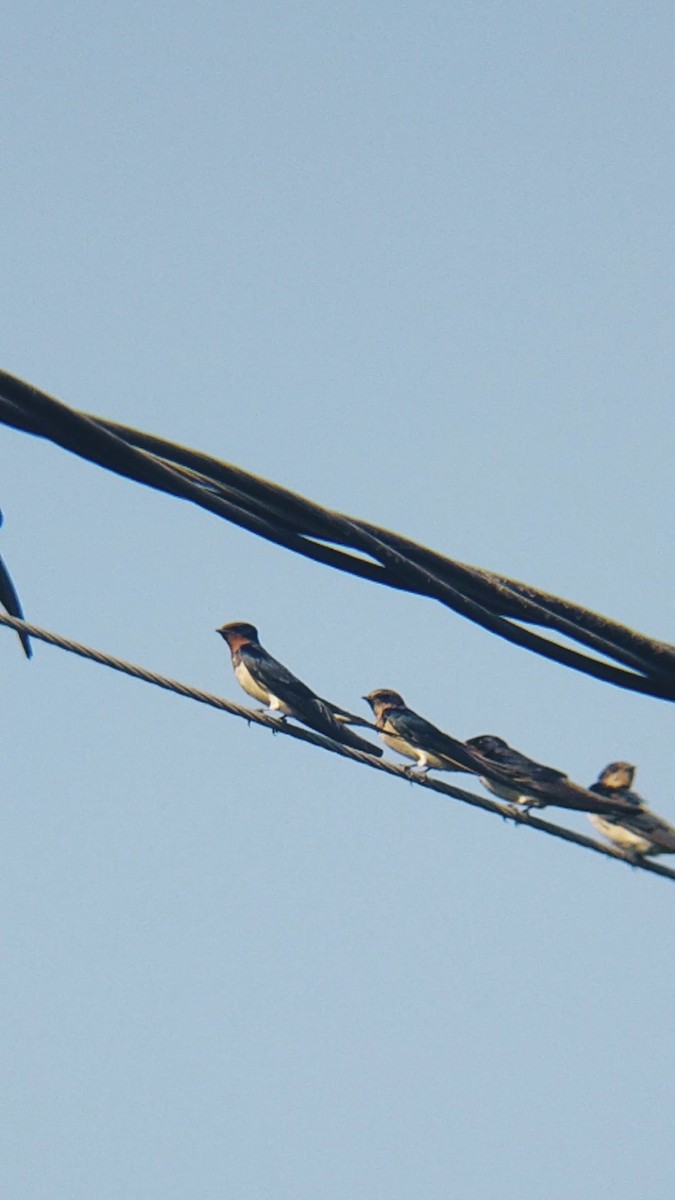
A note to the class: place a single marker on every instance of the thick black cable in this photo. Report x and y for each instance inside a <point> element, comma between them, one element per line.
<point>298,524</point>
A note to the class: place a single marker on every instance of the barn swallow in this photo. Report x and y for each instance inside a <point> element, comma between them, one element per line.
<point>639,833</point>
<point>524,771</point>
<point>414,737</point>
<point>521,780</point>
<point>269,682</point>
<point>10,601</point>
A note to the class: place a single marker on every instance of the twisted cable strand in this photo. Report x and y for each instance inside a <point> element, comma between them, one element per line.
<point>315,739</point>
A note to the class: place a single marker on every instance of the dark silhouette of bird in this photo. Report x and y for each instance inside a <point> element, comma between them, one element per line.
<point>11,603</point>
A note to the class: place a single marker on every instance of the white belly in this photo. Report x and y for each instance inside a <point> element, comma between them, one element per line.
<point>623,838</point>
<point>253,688</point>
<point>423,757</point>
<point>513,795</point>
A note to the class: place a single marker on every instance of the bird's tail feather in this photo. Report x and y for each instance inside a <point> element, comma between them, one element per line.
<point>319,716</point>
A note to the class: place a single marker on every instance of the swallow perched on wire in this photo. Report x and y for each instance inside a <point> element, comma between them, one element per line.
<point>10,601</point>
<point>523,770</point>
<point>273,685</point>
<point>640,832</point>
<point>414,737</point>
<point>519,779</point>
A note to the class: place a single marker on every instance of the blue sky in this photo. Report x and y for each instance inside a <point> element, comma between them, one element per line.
<point>413,263</point>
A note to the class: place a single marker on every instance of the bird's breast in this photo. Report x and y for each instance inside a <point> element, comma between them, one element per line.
<point>249,683</point>
<point>399,744</point>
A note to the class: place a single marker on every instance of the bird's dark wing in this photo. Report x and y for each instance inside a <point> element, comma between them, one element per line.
<point>274,676</point>
<point>520,764</point>
<point>564,793</point>
<point>421,733</point>
<point>534,770</point>
<point>301,700</point>
<point>649,825</point>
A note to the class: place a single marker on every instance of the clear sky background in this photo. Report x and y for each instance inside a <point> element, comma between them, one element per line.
<point>413,262</point>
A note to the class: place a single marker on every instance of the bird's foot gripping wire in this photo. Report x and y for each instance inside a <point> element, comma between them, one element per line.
<point>525,807</point>
<point>272,712</point>
<point>519,810</point>
<point>417,772</point>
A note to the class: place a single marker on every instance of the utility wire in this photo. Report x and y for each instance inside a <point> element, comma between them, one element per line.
<point>503,606</point>
<point>315,739</point>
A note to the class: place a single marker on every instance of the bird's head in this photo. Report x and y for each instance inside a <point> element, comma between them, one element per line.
<point>382,699</point>
<point>487,743</point>
<point>617,775</point>
<point>238,633</point>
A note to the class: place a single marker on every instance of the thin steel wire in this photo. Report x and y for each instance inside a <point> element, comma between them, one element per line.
<point>315,739</point>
